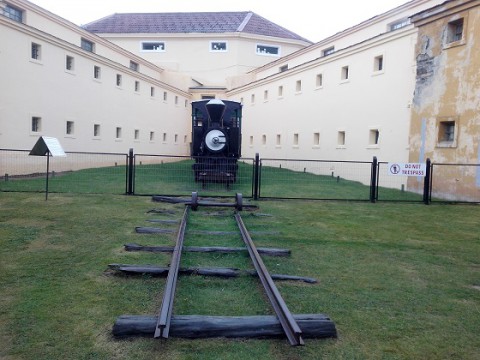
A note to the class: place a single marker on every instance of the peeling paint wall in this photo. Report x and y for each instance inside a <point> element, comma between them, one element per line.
<point>445,123</point>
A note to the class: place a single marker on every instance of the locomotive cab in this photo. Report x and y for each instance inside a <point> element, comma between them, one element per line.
<point>216,140</point>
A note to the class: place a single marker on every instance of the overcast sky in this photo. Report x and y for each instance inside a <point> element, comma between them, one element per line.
<point>312,19</point>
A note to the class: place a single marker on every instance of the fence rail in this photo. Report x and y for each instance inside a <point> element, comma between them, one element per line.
<point>170,175</point>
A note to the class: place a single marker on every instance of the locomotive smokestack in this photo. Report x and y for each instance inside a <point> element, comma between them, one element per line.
<point>216,109</point>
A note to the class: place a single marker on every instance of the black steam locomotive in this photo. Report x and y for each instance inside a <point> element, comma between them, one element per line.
<point>216,140</point>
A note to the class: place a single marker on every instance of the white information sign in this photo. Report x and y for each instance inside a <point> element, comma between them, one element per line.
<point>407,169</point>
<point>46,145</point>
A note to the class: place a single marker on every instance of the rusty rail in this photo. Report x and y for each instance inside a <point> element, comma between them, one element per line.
<point>289,325</point>
<point>164,318</point>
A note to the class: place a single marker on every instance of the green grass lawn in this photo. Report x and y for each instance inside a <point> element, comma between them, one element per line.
<point>400,281</point>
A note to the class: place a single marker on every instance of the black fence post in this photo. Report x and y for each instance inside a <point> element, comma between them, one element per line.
<point>130,172</point>
<point>427,182</point>
<point>373,180</point>
<point>256,171</point>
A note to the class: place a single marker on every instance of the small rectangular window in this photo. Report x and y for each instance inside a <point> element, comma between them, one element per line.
<point>175,138</point>
<point>378,63</point>
<point>345,73</point>
<point>280,91</point>
<point>328,51</point>
<point>278,140</point>
<point>152,91</point>
<point>119,80</point>
<point>399,24</point>
<point>36,124</point>
<point>13,13</point>
<point>96,72</point>
<point>176,99</point>
<point>133,65</point>
<point>36,51</point>
<point>165,96</point>
<point>96,130</point>
<point>298,86</point>
<point>295,139</point>
<point>152,135</point>
<point>153,46</point>
<point>252,98</point>
<point>137,85</point>
<point>69,63</point>
<point>316,139</point>
<point>455,30</point>
<point>164,139</point>
<point>185,139</point>
<point>265,95</point>
<point>69,128</point>
<point>264,139</point>
<point>283,68</point>
<point>87,45</point>
<point>136,134</point>
<point>118,132</point>
<point>218,46</point>
<point>251,140</point>
<point>319,80</point>
<point>341,138</point>
<point>268,50</point>
<point>446,132</point>
<point>373,137</point>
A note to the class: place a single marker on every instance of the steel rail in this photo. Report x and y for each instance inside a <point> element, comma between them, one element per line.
<point>164,318</point>
<point>289,325</point>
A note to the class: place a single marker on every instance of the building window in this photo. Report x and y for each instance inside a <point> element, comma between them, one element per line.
<point>264,139</point>
<point>69,128</point>
<point>152,91</point>
<point>283,68</point>
<point>278,140</point>
<point>328,51</point>
<point>69,63</point>
<point>341,138</point>
<point>446,132</point>
<point>164,139</point>
<point>175,138</point>
<point>373,137</point>
<point>96,130</point>
<point>298,86</point>
<point>118,132</point>
<point>268,50</point>
<point>87,45</point>
<point>36,124</point>
<point>295,139</point>
<point>153,46</point>
<point>152,135</point>
<point>96,72</point>
<point>265,95</point>
<point>218,46</point>
<point>136,134</point>
<point>280,91</point>
<point>399,24</point>
<point>133,65</point>
<point>345,73</point>
<point>455,31</point>
<point>119,80</point>
<point>36,51</point>
<point>316,139</point>
<point>252,98</point>
<point>319,80</point>
<point>176,99</point>
<point>251,140</point>
<point>378,63</point>
<point>13,13</point>
<point>137,85</point>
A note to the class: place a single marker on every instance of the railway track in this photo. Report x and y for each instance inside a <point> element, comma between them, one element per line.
<point>287,320</point>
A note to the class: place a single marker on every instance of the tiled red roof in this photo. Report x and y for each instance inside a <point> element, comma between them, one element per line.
<point>200,22</point>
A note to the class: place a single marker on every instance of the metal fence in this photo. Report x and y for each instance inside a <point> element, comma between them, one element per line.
<point>146,174</point>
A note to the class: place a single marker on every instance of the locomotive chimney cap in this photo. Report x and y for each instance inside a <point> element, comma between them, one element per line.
<point>216,109</point>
